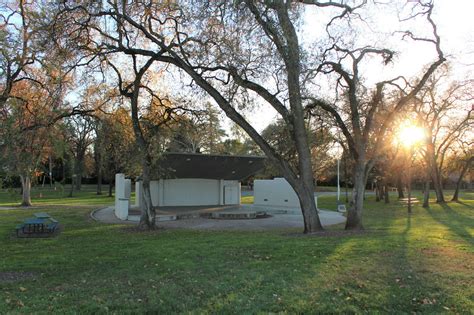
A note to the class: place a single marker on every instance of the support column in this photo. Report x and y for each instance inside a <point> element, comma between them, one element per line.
<point>239,188</point>
<point>138,194</point>
<point>221,192</point>
<point>119,186</point>
<point>127,189</point>
<point>155,192</point>
<point>161,193</point>
<point>122,196</point>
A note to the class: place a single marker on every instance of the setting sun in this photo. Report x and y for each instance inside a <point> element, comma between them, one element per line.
<point>410,134</point>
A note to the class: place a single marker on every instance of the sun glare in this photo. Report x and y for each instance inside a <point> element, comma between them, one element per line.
<point>410,135</point>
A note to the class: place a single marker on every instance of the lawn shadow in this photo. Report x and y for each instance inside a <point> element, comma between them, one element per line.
<point>464,204</point>
<point>417,286</point>
<point>375,271</point>
<point>456,222</point>
<point>401,271</point>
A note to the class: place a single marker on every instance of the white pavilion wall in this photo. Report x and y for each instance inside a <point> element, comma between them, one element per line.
<point>192,192</point>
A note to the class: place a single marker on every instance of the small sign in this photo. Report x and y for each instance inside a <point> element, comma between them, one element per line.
<point>341,208</point>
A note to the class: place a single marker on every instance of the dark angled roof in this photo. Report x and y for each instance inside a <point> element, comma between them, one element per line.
<point>193,165</point>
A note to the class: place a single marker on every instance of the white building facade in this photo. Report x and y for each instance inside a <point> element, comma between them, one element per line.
<point>190,192</point>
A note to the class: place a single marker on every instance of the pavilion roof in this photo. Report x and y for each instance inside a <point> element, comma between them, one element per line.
<point>195,165</point>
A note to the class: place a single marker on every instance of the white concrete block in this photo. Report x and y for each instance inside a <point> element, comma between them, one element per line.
<point>134,218</point>
<point>127,189</point>
<point>138,194</point>
<point>121,208</point>
<point>276,192</point>
<point>119,186</point>
<point>154,191</point>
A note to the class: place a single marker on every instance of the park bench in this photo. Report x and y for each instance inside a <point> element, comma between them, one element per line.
<point>413,200</point>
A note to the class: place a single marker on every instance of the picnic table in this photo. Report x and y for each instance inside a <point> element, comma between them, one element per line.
<point>33,225</point>
<point>42,223</point>
<point>42,215</point>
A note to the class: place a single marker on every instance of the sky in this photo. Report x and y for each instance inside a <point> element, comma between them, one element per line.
<point>455,26</point>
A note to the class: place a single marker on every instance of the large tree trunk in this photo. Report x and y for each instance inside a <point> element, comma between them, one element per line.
<point>148,216</point>
<point>309,210</point>
<point>111,187</point>
<point>354,214</point>
<point>435,173</point>
<point>73,178</point>
<point>377,191</point>
<point>98,165</point>
<point>409,171</point>
<point>63,169</point>
<point>78,171</point>
<point>50,172</point>
<point>346,179</point>
<point>305,190</point>
<point>437,186</point>
<point>26,190</point>
<point>427,184</point>
<point>400,187</point>
<point>99,181</point>
<point>461,176</point>
<point>291,57</point>
<point>426,194</point>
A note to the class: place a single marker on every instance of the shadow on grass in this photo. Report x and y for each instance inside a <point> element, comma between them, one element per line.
<point>400,272</point>
<point>456,222</point>
<point>417,287</point>
<point>368,273</point>
<point>464,204</point>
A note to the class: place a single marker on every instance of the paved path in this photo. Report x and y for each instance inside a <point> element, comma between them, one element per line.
<point>276,221</point>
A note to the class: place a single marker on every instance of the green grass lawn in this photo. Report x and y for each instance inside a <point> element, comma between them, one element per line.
<point>57,197</point>
<point>400,264</point>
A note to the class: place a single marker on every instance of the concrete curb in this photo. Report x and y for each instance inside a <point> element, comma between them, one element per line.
<point>92,214</point>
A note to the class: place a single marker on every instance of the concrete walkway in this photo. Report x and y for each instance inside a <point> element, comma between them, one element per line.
<point>280,219</point>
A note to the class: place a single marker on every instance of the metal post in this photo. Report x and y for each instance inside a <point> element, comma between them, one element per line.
<point>338,186</point>
<point>409,178</point>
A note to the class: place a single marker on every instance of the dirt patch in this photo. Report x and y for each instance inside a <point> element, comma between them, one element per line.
<point>14,276</point>
<point>450,258</point>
